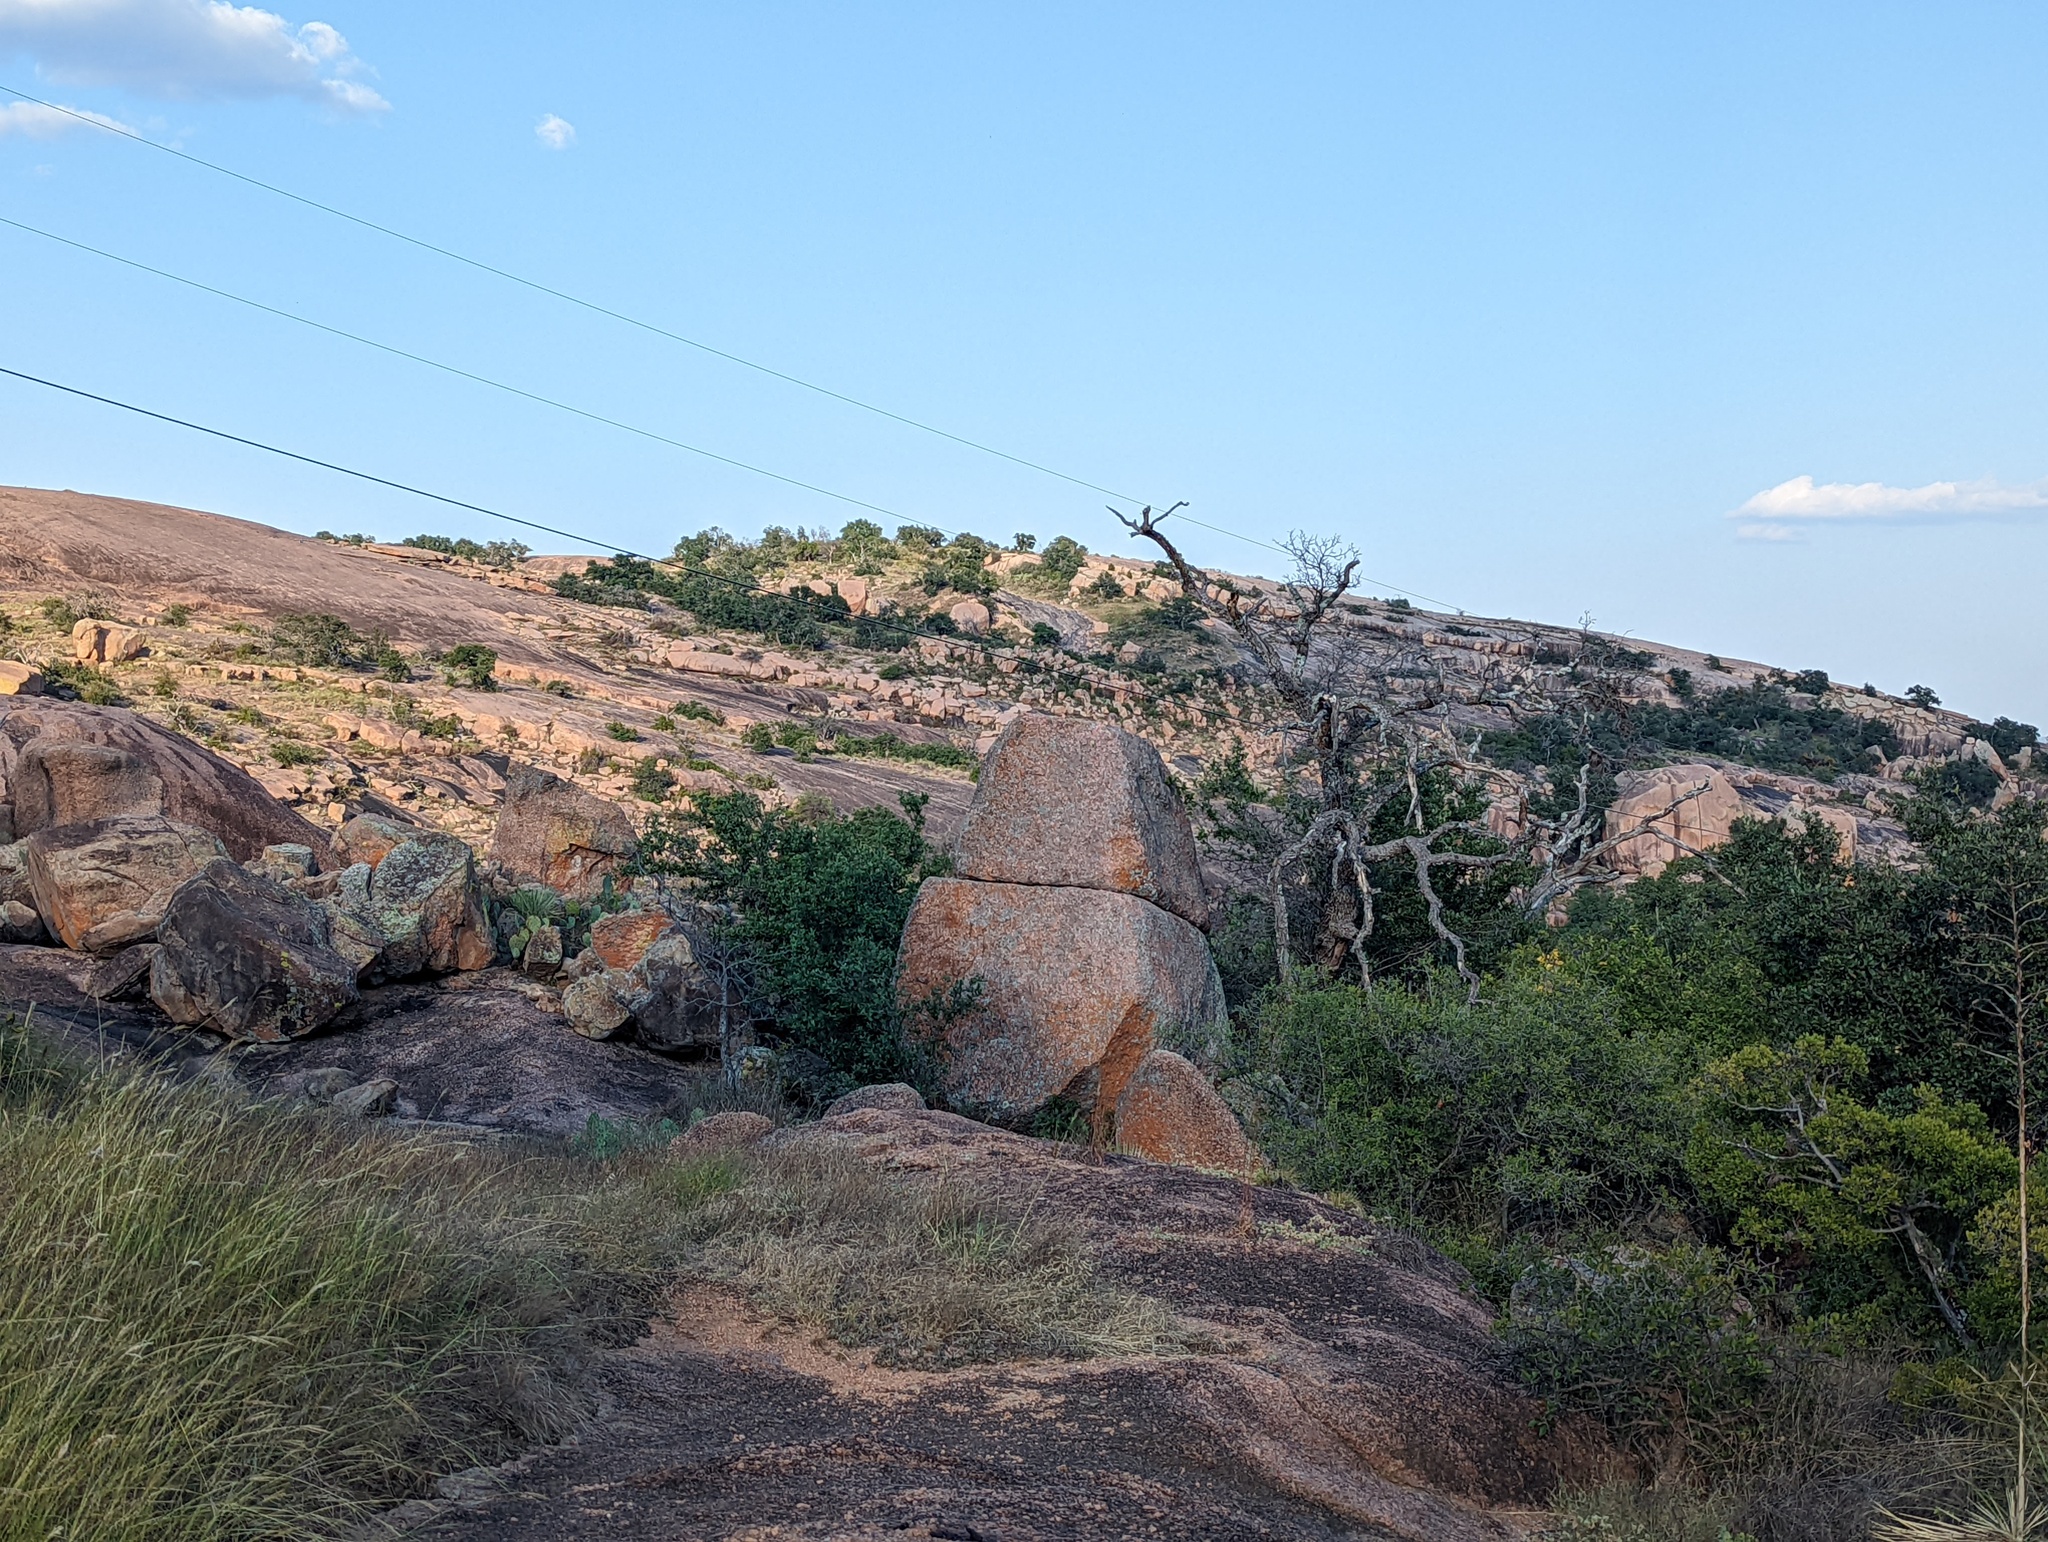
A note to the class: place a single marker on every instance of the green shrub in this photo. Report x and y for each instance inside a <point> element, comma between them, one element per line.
<point>163,684</point>
<point>389,663</point>
<point>1045,636</point>
<point>1105,587</point>
<point>58,612</point>
<point>1646,1341</point>
<point>894,670</point>
<point>821,899</point>
<point>178,615</point>
<point>471,665</point>
<point>887,746</point>
<point>290,752</point>
<point>89,685</point>
<point>652,781</point>
<point>558,688</point>
<point>625,733</point>
<point>318,640</point>
<point>663,723</point>
<point>1063,558</point>
<point>698,712</point>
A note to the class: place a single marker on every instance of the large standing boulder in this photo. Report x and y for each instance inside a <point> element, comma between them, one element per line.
<point>103,885</point>
<point>424,900</point>
<point>198,787</point>
<point>241,954</point>
<point>553,832</point>
<point>1077,987</point>
<point>1085,805</point>
<point>1168,1111</point>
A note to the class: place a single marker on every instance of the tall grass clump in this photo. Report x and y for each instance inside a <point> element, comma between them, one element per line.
<point>217,1322</point>
<point>926,1269</point>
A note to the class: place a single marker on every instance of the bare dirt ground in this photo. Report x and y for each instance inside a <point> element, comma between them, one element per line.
<point>1343,1384</point>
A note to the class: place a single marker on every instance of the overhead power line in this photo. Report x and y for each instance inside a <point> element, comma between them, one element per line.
<point>572,299</point>
<point>416,358</point>
<point>903,628</point>
<point>546,401</point>
<point>624,318</point>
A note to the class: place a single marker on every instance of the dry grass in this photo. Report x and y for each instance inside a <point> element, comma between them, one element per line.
<point>928,1269</point>
<point>219,1321</point>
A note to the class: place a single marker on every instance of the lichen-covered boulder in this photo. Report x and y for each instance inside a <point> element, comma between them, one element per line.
<point>1083,805</point>
<point>1077,986</point>
<point>1170,1112</point>
<point>86,875</point>
<point>244,956</point>
<point>426,901</point>
<point>553,832</point>
<point>597,1006</point>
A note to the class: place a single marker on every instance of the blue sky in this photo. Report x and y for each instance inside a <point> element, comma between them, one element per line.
<point>1547,308</point>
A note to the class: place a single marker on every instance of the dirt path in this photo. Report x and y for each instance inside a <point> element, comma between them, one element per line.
<point>736,1442</point>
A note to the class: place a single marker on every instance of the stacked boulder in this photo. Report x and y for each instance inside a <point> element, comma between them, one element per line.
<point>1078,905</point>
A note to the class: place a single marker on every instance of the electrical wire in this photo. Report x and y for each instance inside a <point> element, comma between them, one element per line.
<point>571,299</point>
<point>594,307</point>
<point>903,628</point>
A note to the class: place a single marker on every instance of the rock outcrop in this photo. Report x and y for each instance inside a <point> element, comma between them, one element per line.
<point>1073,933</point>
<point>1083,805</point>
<point>103,885</point>
<point>648,977</point>
<point>241,954</point>
<point>193,785</point>
<point>553,832</point>
<point>1656,828</point>
<point>424,901</point>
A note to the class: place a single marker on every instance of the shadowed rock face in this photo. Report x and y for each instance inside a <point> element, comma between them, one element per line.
<point>48,786</point>
<point>241,954</point>
<point>1076,984</point>
<point>1083,805</point>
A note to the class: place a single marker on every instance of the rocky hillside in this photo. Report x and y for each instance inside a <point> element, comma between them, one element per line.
<point>644,701</point>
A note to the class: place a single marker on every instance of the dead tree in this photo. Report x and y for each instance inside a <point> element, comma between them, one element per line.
<point>1374,721</point>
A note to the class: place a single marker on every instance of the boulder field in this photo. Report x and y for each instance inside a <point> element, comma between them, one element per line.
<point>1069,944</point>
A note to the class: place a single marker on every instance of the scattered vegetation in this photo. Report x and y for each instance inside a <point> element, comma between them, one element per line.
<point>887,746</point>
<point>492,554</point>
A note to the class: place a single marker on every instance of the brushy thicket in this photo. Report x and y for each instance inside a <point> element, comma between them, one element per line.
<point>1734,1153</point>
<point>235,1322</point>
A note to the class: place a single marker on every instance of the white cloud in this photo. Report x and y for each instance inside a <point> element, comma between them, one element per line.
<point>187,49</point>
<point>32,120</point>
<point>556,133</point>
<point>1804,499</point>
<point>1766,532</point>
